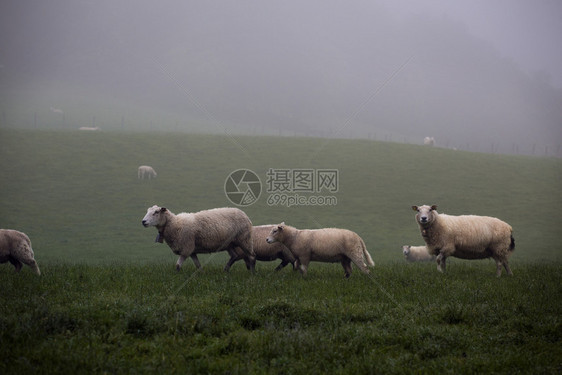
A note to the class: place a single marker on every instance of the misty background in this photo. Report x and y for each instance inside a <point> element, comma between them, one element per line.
<point>477,75</point>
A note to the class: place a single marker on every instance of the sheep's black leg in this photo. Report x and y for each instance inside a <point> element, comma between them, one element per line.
<point>193,258</point>
<point>346,263</point>
<point>281,265</point>
<point>16,263</point>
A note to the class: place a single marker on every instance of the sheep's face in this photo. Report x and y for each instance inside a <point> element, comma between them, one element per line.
<point>405,250</point>
<point>426,214</point>
<point>275,233</point>
<point>154,216</point>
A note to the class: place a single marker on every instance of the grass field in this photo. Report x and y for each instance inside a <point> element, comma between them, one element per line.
<point>109,300</point>
<point>401,319</point>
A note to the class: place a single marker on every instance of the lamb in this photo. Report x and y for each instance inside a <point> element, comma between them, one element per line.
<point>264,252</point>
<point>146,170</point>
<point>15,247</point>
<point>323,245</point>
<point>417,254</point>
<point>189,234</point>
<point>465,237</point>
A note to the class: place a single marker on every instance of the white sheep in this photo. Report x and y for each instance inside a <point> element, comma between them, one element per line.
<point>15,247</point>
<point>323,245</point>
<point>465,237</point>
<point>89,128</point>
<point>429,141</point>
<point>188,234</point>
<point>417,254</point>
<point>265,252</point>
<point>146,171</point>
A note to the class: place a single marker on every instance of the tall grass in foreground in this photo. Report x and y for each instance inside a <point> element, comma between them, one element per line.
<point>402,318</point>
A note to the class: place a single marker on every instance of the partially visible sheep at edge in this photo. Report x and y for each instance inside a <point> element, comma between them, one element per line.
<point>208,231</point>
<point>146,171</point>
<point>265,252</point>
<point>323,245</point>
<point>417,254</point>
<point>15,247</point>
<point>465,237</point>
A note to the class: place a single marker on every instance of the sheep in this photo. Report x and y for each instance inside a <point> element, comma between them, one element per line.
<point>146,170</point>
<point>189,234</point>
<point>417,254</point>
<point>323,245</point>
<point>429,141</point>
<point>15,247</point>
<point>465,237</point>
<point>89,128</point>
<point>264,252</point>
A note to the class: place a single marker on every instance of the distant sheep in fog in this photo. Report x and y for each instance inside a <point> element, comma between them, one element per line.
<point>146,170</point>
<point>15,247</point>
<point>429,141</point>
<point>89,128</point>
<point>417,254</point>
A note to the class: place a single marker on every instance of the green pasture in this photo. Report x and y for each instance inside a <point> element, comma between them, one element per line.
<point>400,319</point>
<point>76,194</point>
<point>110,301</point>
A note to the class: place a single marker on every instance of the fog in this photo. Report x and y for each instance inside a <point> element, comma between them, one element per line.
<point>479,75</point>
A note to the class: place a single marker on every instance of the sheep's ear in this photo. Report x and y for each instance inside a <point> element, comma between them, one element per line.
<point>415,208</point>
<point>280,226</point>
<point>434,207</point>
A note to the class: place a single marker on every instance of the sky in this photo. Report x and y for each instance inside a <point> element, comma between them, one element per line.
<point>527,31</point>
<point>465,72</point>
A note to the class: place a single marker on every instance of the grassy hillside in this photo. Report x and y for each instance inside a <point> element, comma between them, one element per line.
<point>78,197</point>
<point>400,319</point>
<point>108,299</point>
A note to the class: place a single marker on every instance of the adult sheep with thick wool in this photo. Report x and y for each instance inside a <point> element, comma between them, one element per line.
<point>208,231</point>
<point>465,237</point>
<point>417,254</point>
<point>323,245</point>
<point>15,247</point>
<point>265,252</point>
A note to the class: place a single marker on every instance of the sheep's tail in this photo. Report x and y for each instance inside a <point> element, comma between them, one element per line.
<point>512,244</point>
<point>370,261</point>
